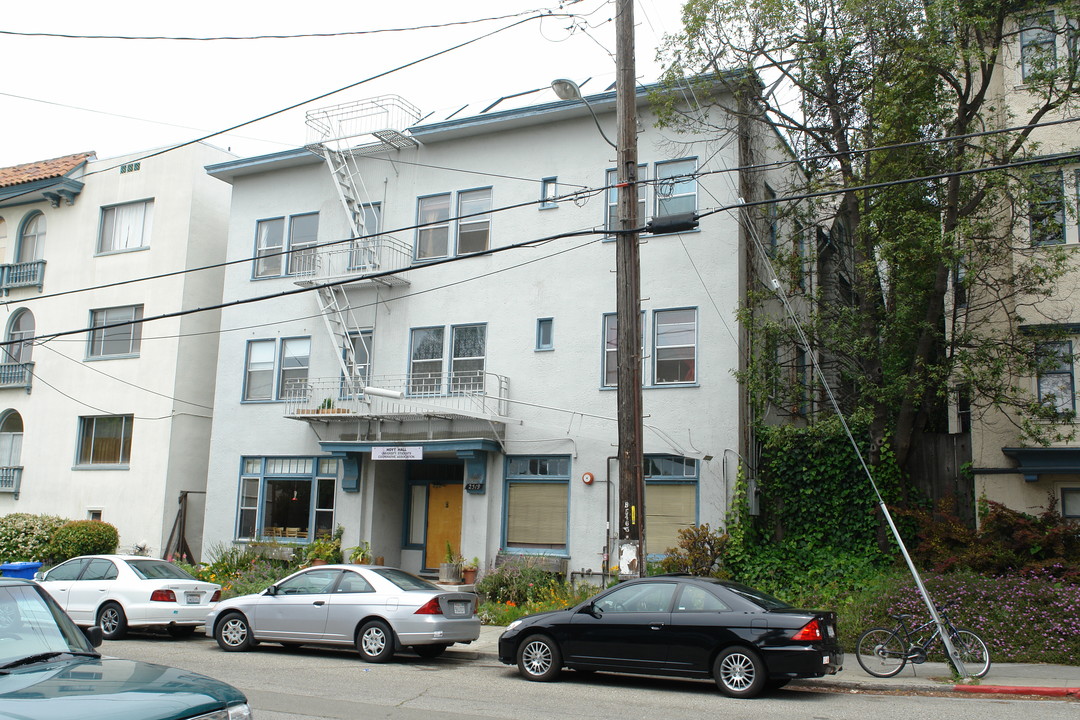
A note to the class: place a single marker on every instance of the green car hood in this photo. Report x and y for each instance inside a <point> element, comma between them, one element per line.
<point>91,688</point>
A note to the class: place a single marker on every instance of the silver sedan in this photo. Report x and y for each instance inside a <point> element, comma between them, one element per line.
<point>379,610</point>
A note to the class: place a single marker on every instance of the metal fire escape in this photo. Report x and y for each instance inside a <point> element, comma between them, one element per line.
<point>342,135</point>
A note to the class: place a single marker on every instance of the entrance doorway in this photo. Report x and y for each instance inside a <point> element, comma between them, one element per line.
<point>436,489</point>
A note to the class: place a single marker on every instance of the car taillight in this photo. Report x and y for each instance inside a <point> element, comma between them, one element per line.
<point>810,631</point>
<point>431,607</point>
<point>216,596</point>
<point>163,596</point>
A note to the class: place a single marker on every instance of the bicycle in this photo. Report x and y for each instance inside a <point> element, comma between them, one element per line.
<point>883,652</point>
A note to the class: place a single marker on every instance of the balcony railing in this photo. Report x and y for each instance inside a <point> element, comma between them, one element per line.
<point>23,274</point>
<point>470,394</point>
<point>16,375</point>
<point>10,479</point>
<point>358,257</point>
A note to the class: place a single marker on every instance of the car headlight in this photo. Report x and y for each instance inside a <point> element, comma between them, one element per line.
<point>233,712</point>
<point>513,625</point>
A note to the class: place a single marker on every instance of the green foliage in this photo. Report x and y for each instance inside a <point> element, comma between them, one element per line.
<point>361,554</point>
<point>244,569</point>
<point>553,596</point>
<point>83,537</point>
<point>700,551</point>
<point>518,581</point>
<point>25,537</point>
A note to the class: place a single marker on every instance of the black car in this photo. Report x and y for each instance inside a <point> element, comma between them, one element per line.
<point>696,627</point>
<point>49,670</point>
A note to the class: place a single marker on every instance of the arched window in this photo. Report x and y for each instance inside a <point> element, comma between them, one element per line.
<point>3,240</point>
<point>32,239</point>
<point>19,334</point>
<point>11,434</point>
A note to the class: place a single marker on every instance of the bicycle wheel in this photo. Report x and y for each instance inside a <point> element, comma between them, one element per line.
<point>973,652</point>
<point>881,652</point>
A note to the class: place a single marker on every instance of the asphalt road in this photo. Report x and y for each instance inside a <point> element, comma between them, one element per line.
<point>317,684</point>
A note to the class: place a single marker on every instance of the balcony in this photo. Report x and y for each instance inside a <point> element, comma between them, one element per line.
<point>381,257</point>
<point>16,375</point>
<point>10,479</point>
<point>401,398</point>
<point>23,274</point>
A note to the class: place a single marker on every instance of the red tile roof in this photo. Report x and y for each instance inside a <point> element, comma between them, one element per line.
<point>42,169</point>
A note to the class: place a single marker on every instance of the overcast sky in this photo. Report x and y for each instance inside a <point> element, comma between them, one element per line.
<point>61,96</point>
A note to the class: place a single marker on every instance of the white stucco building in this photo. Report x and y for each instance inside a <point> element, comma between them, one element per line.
<point>101,417</point>
<point>420,394</point>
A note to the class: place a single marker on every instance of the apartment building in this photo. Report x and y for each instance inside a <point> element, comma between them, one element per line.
<point>106,386</point>
<point>422,348</point>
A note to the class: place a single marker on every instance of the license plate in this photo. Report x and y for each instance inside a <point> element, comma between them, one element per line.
<point>461,608</point>
<point>193,598</point>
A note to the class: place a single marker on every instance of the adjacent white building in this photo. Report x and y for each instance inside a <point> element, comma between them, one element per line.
<point>102,416</point>
<point>391,377</point>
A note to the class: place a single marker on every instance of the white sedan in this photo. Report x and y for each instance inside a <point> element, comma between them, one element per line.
<point>121,591</point>
<point>378,610</point>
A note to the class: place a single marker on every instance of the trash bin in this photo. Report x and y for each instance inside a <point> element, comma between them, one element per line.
<point>20,569</point>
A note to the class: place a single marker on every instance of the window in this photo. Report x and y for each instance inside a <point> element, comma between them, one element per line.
<point>612,219</point>
<point>105,440</point>
<point>266,364</point>
<point>545,328</point>
<point>611,350</point>
<point>99,569</point>
<point>698,599</point>
<point>287,499</point>
<point>537,502</point>
<point>1070,502</point>
<point>433,240</point>
<point>117,333</point>
<point>799,383</point>
<point>676,346</point>
<point>361,353</point>
<point>474,227</point>
<point>650,597</point>
<point>1056,378</point>
<point>270,245</point>
<point>670,500</point>
<point>549,193</point>
<point>31,239</point>
<point>1047,209</point>
<point>20,338</point>
<point>126,227</point>
<point>676,187</point>
<point>1037,40</point>
<point>363,252</point>
<point>772,213</point>
<point>467,359</point>
<point>11,437</point>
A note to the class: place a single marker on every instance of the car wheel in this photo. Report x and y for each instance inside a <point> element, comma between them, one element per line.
<point>539,659</point>
<point>233,633</point>
<point>430,651</point>
<point>739,672</point>
<point>375,642</point>
<point>181,631</point>
<point>112,621</point>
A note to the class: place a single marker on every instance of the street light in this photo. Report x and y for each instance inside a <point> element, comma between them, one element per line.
<point>570,90</point>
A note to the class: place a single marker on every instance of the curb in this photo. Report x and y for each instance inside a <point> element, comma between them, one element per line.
<point>1018,690</point>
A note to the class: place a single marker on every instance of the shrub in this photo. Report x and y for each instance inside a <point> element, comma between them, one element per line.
<point>25,537</point>
<point>517,581</point>
<point>700,551</point>
<point>244,569</point>
<point>83,537</point>
<point>554,596</point>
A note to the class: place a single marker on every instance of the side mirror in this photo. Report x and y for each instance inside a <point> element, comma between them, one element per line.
<point>39,575</point>
<point>592,609</point>
<point>93,635</point>
<point>272,590</point>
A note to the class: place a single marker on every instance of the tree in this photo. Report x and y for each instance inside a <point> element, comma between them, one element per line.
<point>896,110</point>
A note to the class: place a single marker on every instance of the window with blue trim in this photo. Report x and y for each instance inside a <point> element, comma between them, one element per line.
<point>286,499</point>
<point>537,502</point>
<point>671,499</point>
<point>268,367</point>
<point>1056,382</point>
<point>549,192</point>
<point>1047,209</point>
<point>1070,502</point>
<point>545,328</point>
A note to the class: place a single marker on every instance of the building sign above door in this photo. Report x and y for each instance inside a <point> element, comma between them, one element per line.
<point>397,452</point>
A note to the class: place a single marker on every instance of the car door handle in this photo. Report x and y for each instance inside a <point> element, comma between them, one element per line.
<point>319,602</point>
<point>657,626</point>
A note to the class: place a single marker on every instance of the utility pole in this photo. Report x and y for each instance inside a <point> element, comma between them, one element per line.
<point>628,303</point>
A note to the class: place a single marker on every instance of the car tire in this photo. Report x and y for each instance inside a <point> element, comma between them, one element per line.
<point>375,642</point>
<point>233,633</point>
<point>429,652</point>
<point>539,659</point>
<point>181,631</point>
<point>739,672</point>
<point>112,621</point>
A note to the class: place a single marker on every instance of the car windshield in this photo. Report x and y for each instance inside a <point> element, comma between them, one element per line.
<point>404,580</point>
<point>31,624</point>
<point>757,597</point>
<point>158,570</point>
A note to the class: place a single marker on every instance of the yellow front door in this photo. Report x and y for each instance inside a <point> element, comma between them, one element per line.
<point>443,522</point>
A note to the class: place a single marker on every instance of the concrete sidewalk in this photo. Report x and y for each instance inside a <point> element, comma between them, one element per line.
<point>1003,679</point>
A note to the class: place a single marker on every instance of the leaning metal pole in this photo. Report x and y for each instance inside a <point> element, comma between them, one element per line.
<point>628,302</point>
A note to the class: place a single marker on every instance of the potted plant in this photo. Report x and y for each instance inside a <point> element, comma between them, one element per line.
<point>450,567</point>
<point>323,550</point>
<point>469,570</point>
<point>361,554</point>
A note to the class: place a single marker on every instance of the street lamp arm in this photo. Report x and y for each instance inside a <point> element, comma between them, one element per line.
<point>569,90</point>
